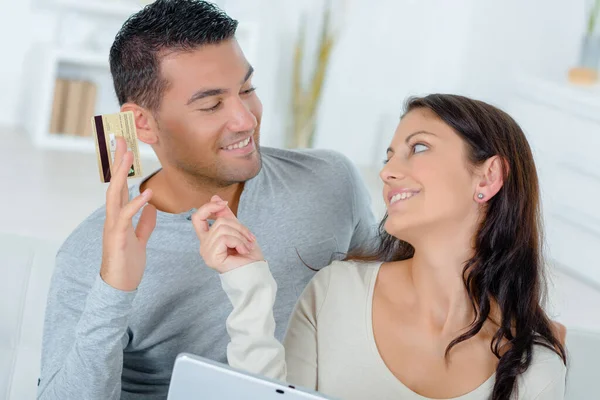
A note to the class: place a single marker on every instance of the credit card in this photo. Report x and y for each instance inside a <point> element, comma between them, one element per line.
<point>107,127</point>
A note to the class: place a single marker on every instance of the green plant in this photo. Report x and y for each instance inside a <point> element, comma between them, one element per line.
<point>305,101</point>
<point>595,10</point>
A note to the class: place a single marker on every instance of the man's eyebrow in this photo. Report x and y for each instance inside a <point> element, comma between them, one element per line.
<point>204,93</point>
<point>248,74</point>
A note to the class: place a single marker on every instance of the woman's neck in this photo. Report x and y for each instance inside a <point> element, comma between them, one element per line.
<point>436,271</point>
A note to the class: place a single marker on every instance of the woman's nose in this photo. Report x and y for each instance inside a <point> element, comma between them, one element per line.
<point>391,171</point>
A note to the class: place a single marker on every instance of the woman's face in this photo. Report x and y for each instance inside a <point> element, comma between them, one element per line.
<point>427,180</point>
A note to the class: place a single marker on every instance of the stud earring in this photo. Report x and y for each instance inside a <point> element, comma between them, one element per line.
<point>480,196</point>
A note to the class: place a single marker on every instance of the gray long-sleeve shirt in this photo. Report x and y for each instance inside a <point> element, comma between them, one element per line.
<point>102,343</point>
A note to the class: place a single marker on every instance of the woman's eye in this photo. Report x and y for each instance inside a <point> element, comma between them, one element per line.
<point>419,147</point>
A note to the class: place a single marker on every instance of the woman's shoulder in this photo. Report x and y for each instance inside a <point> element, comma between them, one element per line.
<point>350,271</point>
<point>339,289</point>
<point>547,371</point>
<point>346,276</point>
<point>547,358</point>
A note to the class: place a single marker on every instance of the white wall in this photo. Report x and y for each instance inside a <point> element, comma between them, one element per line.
<point>389,49</point>
<point>399,48</point>
<point>538,37</point>
<point>392,49</point>
<point>17,24</point>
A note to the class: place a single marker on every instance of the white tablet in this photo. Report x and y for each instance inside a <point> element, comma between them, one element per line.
<point>196,377</point>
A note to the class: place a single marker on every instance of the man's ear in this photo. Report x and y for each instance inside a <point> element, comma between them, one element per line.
<point>145,123</point>
<point>490,179</point>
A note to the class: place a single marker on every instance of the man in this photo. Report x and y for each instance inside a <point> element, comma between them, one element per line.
<point>130,290</point>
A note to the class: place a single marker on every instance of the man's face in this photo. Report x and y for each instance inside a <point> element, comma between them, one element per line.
<point>209,117</point>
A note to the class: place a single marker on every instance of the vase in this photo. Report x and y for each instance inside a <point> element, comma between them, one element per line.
<point>589,56</point>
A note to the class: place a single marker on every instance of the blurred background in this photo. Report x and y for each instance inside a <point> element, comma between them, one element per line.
<point>331,74</point>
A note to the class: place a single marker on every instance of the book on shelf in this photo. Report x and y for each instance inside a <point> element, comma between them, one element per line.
<point>58,106</point>
<point>89,109</point>
<point>73,107</point>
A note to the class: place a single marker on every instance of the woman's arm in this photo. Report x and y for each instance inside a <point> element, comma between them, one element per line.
<point>545,379</point>
<point>301,339</point>
<point>230,248</point>
<point>554,391</point>
<point>251,325</point>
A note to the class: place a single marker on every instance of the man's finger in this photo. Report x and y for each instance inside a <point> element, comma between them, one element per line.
<point>112,206</point>
<point>146,223</point>
<point>118,182</point>
<point>122,148</point>
<point>119,152</point>
<point>132,208</point>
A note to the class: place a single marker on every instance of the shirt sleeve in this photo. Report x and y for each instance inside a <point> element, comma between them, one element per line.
<point>545,379</point>
<point>302,335</point>
<point>364,235</point>
<point>251,326</point>
<point>554,391</point>
<point>85,331</point>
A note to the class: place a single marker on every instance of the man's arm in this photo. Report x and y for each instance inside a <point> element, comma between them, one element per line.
<point>84,335</point>
<point>364,236</point>
<point>87,313</point>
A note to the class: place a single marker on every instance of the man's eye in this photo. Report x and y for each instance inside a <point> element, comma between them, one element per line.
<point>213,108</point>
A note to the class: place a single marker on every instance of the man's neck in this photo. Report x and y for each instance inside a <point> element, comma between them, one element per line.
<point>174,194</point>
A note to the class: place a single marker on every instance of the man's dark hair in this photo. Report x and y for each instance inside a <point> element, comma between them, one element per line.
<point>163,26</point>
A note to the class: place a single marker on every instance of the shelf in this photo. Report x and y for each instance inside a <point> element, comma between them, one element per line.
<point>579,100</point>
<point>84,144</point>
<point>83,57</point>
<point>116,8</point>
<point>246,36</point>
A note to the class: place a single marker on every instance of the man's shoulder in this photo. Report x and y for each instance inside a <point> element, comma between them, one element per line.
<point>322,162</point>
<point>87,236</point>
<point>307,155</point>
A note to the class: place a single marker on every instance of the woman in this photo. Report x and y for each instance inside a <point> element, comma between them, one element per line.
<point>447,306</point>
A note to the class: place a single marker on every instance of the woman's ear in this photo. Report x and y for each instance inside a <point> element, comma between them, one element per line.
<point>490,178</point>
<point>145,123</point>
